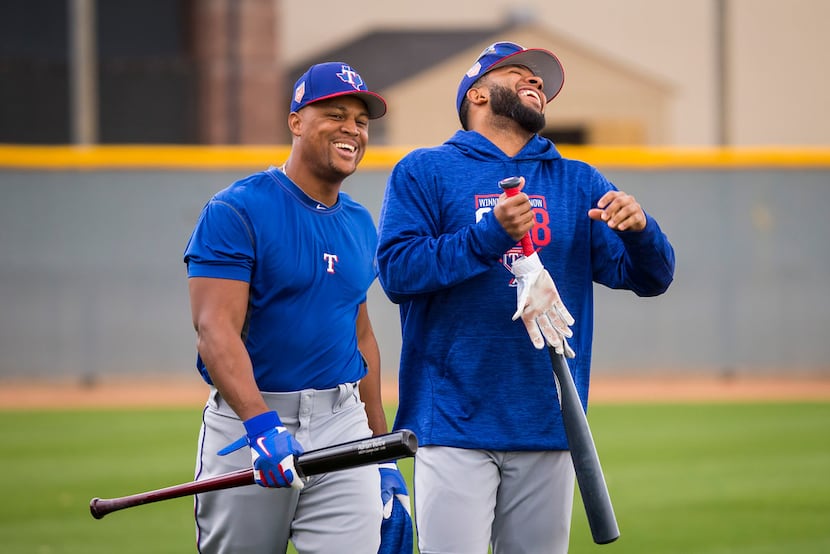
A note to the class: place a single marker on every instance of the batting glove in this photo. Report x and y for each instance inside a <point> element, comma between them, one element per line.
<point>396,535</point>
<point>541,308</point>
<point>273,450</point>
<point>392,485</point>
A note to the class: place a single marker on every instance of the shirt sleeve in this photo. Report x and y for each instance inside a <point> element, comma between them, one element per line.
<point>415,254</point>
<point>222,244</point>
<point>642,262</point>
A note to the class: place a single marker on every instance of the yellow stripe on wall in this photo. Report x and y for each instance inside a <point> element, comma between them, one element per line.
<point>699,158</point>
<point>384,157</point>
<point>140,157</point>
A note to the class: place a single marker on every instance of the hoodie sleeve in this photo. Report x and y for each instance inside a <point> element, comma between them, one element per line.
<point>415,254</point>
<point>642,262</point>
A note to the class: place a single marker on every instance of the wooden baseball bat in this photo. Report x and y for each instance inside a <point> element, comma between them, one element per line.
<point>589,476</point>
<point>373,450</point>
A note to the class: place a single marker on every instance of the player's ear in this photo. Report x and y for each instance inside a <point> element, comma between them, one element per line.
<point>477,95</point>
<point>295,124</point>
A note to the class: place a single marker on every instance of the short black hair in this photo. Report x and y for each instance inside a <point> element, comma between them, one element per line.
<point>463,113</point>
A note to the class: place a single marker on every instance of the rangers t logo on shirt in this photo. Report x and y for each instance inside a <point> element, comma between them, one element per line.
<point>331,259</point>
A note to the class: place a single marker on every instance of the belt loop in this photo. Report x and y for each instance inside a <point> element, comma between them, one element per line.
<point>345,391</point>
<point>214,398</point>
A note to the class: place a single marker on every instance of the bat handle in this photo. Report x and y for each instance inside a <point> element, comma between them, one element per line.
<point>99,507</point>
<point>510,186</point>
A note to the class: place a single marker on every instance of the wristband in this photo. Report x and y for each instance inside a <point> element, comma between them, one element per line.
<point>261,423</point>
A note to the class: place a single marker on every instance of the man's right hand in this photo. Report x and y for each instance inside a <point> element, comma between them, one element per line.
<point>514,213</point>
<point>272,452</point>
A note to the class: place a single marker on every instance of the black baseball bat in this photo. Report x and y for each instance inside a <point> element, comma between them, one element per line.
<point>592,487</point>
<point>382,448</point>
<point>589,476</point>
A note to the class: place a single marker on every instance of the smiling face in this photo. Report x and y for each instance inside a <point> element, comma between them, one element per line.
<point>516,93</point>
<point>330,137</point>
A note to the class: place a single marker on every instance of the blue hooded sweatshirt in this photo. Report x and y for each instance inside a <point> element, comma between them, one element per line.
<point>469,375</point>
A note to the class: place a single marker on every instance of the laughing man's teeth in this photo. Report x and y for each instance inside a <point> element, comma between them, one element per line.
<point>348,147</point>
<point>530,93</point>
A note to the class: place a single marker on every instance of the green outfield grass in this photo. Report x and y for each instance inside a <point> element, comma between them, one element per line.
<point>703,478</point>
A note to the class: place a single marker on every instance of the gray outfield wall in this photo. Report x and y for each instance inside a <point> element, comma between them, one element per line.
<point>92,283</point>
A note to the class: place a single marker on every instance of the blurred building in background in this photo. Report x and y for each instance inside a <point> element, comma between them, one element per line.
<point>148,71</point>
<point>418,71</point>
<point>215,71</point>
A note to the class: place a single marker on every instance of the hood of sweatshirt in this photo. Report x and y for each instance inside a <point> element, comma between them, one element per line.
<point>474,145</point>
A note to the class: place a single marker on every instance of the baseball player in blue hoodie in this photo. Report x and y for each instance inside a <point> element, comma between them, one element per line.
<point>475,384</point>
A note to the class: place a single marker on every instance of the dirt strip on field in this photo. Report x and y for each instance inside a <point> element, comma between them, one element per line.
<point>191,392</point>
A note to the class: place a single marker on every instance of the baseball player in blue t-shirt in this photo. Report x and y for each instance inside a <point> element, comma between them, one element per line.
<point>279,264</point>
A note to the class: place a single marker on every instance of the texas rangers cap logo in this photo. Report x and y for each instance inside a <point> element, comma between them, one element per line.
<point>476,68</point>
<point>351,77</point>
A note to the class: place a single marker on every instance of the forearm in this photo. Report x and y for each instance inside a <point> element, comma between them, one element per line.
<point>422,246</point>
<point>649,260</point>
<point>411,262</point>
<point>370,389</point>
<point>370,394</point>
<point>229,365</point>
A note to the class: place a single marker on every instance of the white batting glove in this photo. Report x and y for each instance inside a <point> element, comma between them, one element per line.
<point>541,308</point>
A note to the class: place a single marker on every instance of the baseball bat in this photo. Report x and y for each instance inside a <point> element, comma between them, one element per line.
<point>587,468</point>
<point>589,476</point>
<point>378,449</point>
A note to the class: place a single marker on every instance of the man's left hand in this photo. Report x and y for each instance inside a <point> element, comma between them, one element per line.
<point>396,535</point>
<point>620,211</point>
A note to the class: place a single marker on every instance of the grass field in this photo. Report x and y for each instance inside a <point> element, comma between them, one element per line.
<point>748,478</point>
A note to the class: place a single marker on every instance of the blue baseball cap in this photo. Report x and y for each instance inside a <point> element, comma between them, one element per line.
<point>541,62</point>
<point>332,79</point>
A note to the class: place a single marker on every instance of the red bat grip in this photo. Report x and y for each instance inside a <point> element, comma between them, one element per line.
<point>510,186</point>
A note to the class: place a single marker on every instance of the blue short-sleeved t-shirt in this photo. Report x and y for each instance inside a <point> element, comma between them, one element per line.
<point>309,267</point>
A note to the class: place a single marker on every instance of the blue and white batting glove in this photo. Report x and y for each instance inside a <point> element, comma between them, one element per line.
<point>392,485</point>
<point>272,451</point>
<point>396,534</point>
<point>541,308</point>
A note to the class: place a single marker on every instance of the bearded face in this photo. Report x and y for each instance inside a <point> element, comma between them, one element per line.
<point>506,103</point>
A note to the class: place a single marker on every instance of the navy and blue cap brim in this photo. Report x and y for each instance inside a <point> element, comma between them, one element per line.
<point>541,62</point>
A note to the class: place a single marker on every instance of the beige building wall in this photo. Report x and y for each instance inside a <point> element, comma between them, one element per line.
<point>615,105</point>
<point>776,49</point>
<point>781,81</point>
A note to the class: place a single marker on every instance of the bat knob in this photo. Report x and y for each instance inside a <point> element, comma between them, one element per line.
<point>510,184</point>
<point>93,508</point>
